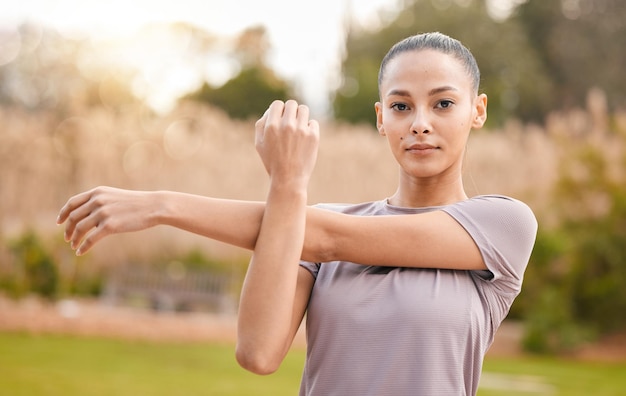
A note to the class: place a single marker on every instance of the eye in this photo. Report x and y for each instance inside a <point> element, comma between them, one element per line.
<point>445,104</point>
<point>400,106</point>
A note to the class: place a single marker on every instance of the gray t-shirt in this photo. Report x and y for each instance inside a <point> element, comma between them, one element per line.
<point>377,330</point>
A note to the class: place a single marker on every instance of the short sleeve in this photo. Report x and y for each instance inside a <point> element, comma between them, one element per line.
<point>313,268</point>
<point>504,229</point>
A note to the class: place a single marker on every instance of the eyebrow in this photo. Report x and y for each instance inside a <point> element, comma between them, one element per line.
<point>434,91</point>
<point>445,88</point>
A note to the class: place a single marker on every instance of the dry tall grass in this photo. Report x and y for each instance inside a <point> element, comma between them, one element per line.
<point>45,158</point>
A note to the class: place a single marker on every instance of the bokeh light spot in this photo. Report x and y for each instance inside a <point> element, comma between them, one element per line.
<point>181,139</point>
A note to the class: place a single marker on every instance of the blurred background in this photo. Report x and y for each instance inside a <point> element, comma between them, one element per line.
<point>157,95</point>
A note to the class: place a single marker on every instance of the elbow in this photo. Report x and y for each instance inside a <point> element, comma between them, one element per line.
<point>321,249</point>
<point>256,361</point>
<point>321,237</point>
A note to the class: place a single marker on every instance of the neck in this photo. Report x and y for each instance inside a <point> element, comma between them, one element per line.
<point>425,193</point>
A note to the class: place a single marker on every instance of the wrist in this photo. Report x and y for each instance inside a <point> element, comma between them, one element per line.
<point>288,190</point>
<point>161,209</point>
<point>294,185</point>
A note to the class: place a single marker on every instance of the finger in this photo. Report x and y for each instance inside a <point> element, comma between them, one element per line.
<point>272,112</point>
<point>80,213</point>
<point>81,225</point>
<point>259,128</point>
<point>275,112</point>
<point>260,123</point>
<point>290,113</point>
<point>74,217</point>
<point>99,232</point>
<point>73,203</point>
<point>303,117</point>
<point>314,127</point>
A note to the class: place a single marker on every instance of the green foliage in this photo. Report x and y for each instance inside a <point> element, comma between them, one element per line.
<point>545,302</point>
<point>581,45</point>
<point>34,267</point>
<point>574,286</point>
<point>197,259</point>
<point>355,101</point>
<point>598,272</point>
<point>512,76</point>
<point>86,285</point>
<point>546,56</point>
<point>38,271</point>
<point>246,95</point>
<point>594,210</point>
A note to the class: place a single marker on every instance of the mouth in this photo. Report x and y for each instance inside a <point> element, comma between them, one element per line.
<point>422,148</point>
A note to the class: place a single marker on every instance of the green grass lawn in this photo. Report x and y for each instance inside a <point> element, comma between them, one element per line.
<point>53,365</point>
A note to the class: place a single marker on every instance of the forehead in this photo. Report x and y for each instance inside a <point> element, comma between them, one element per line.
<point>424,68</point>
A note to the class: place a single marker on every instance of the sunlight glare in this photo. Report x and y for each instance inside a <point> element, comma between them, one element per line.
<point>305,49</point>
<point>10,45</point>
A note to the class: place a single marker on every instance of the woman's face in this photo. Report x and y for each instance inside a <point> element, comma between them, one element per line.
<point>427,109</point>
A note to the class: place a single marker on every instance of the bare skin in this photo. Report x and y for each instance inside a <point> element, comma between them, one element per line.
<point>426,112</point>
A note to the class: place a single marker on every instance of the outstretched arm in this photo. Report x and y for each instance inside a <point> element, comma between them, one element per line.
<point>374,240</point>
<point>102,211</point>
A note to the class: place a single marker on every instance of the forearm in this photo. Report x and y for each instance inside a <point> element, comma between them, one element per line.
<point>267,299</point>
<point>230,221</point>
<point>238,222</point>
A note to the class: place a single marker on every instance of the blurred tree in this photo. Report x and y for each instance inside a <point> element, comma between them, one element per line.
<point>574,284</point>
<point>250,92</point>
<point>594,209</point>
<point>246,95</point>
<point>40,275</point>
<point>581,45</point>
<point>512,76</point>
<point>45,73</point>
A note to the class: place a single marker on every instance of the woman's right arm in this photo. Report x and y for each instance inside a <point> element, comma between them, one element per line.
<point>276,289</point>
<point>102,211</point>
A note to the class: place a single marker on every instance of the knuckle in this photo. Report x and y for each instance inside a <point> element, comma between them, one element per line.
<point>290,127</point>
<point>87,242</point>
<point>98,201</point>
<point>73,218</point>
<point>106,227</point>
<point>80,228</point>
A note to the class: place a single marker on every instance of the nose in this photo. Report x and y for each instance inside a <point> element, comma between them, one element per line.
<point>420,124</point>
<point>417,132</point>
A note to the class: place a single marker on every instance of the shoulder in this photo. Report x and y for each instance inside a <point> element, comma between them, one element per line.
<point>503,228</point>
<point>494,207</point>
<point>497,220</point>
<point>493,199</point>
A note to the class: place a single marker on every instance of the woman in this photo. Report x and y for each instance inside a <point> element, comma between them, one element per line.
<point>403,296</point>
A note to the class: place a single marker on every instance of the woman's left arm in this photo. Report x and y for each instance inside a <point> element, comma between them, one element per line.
<point>426,240</point>
<point>473,234</point>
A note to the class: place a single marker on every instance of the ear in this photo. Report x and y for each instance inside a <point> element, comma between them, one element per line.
<point>480,111</point>
<point>379,119</point>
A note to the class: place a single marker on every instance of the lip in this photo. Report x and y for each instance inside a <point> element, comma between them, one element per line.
<point>421,148</point>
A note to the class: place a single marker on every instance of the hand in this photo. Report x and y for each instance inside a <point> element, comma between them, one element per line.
<point>103,211</point>
<point>287,142</point>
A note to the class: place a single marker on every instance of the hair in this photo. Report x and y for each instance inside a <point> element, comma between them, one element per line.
<point>438,42</point>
